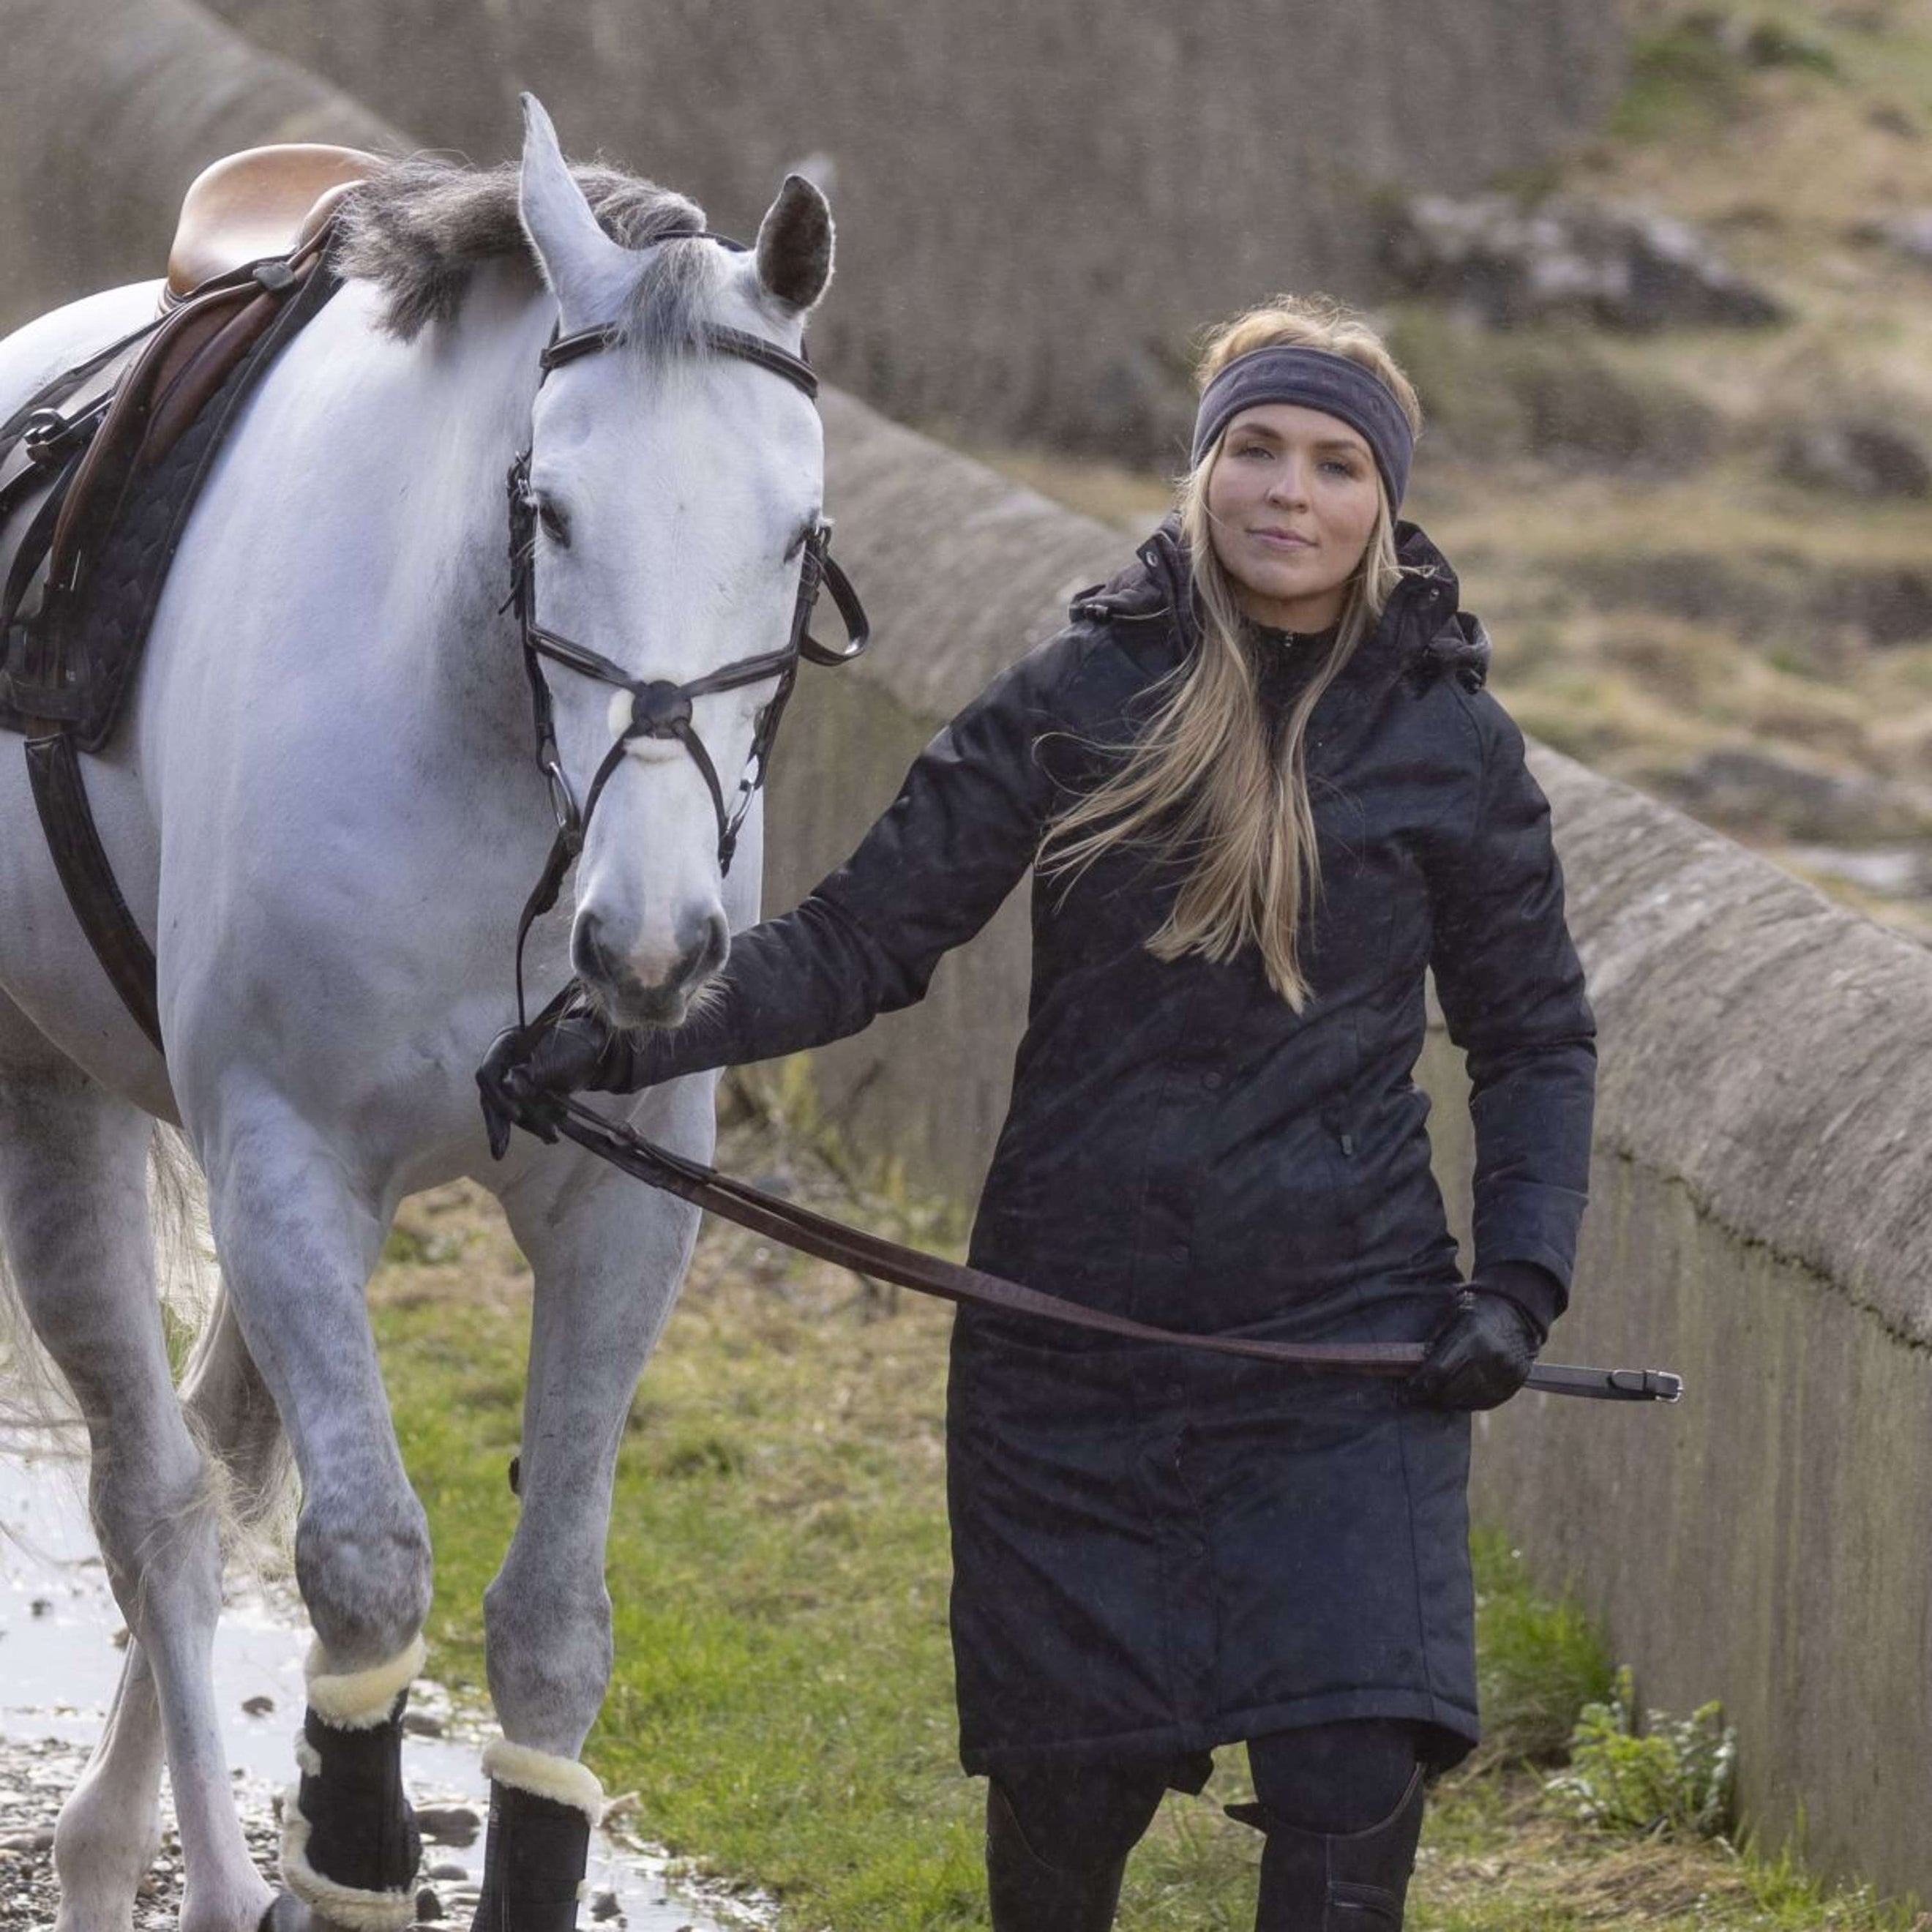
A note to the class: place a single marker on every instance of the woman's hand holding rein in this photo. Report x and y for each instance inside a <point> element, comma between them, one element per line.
<point>1483,1353</point>
<point>530,1069</point>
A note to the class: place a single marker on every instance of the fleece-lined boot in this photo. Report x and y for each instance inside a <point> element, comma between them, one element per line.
<point>542,1810</point>
<point>1337,1881</point>
<point>1027,1894</point>
<point>349,1846</point>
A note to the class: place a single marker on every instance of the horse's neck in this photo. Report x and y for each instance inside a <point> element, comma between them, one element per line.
<point>435,436</point>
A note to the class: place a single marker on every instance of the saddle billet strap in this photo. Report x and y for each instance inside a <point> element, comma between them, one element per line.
<point>52,393</point>
<point>23,654</point>
<point>869,1254</point>
<point>60,796</point>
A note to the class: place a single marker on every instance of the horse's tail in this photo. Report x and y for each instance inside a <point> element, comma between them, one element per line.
<point>227,1406</point>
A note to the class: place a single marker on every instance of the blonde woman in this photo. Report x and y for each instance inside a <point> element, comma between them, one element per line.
<point>1261,789</point>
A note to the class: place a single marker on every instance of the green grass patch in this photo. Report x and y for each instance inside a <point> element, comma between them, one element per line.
<point>1540,1663</point>
<point>1682,80</point>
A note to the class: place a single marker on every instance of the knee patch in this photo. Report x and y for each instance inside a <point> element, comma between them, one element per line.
<point>349,1847</point>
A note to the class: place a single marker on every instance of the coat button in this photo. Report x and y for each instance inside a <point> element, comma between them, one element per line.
<point>1211,1081</point>
<point>1178,1252</point>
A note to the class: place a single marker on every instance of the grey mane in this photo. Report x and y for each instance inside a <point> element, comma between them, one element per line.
<point>420,228</point>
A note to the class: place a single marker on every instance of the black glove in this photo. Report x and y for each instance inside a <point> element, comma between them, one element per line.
<point>1480,1356</point>
<point>530,1069</point>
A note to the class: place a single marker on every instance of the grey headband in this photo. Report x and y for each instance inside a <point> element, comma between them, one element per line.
<point>1282,373</point>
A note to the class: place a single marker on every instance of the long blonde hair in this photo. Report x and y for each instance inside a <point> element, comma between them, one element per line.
<point>1206,778</point>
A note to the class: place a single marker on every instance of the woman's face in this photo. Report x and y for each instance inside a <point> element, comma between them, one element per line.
<point>1291,504</point>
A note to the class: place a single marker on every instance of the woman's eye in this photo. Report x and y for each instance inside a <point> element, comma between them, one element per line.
<point>557,525</point>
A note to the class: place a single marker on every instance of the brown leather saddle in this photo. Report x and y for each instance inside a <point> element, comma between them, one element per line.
<point>101,469</point>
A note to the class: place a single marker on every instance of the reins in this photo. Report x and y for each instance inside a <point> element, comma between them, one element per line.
<point>660,709</point>
<point>819,1234</point>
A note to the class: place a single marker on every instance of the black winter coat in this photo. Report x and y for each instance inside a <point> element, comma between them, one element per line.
<point>1155,1550</point>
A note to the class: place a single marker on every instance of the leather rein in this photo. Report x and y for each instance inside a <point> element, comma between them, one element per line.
<point>660,709</point>
<point>873,1255</point>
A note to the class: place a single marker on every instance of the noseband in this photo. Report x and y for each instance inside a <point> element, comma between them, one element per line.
<point>659,708</point>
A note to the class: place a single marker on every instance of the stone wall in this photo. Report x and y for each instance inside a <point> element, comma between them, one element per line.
<point>1761,1222</point>
<point>1038,203</point>
<point>1762,1217</point>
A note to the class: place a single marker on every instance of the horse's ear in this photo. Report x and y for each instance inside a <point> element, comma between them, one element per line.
<point>578,259</point>
<point>795,244</point>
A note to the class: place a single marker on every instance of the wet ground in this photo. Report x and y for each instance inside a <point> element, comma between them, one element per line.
<point>59,1661</point>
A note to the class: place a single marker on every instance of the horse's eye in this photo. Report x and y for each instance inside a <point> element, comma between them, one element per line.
<point>557,525</point>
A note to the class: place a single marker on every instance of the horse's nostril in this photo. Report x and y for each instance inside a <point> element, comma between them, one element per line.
<point>703,945</point>
<point>586,946</point>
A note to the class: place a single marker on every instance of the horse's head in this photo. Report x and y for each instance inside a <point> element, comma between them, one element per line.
<point>677,496</point>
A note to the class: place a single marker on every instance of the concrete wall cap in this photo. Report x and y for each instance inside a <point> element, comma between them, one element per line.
<point>1765,1047</point>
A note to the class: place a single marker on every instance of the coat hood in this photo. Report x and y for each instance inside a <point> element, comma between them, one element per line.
<point>1424,633</point>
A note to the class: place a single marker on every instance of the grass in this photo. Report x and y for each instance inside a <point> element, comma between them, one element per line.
<point>782,1705</point>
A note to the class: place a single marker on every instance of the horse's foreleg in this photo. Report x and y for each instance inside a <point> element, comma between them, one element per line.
<point>297,1243</point>
<point>607,1272</point>
<point>73,1203</point>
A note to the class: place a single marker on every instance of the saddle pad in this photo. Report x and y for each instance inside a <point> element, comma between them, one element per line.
<point>90,637</point>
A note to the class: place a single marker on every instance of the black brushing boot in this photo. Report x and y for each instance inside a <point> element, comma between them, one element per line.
<point>352,1844</point>
<point>533,1863</point>
<point>1337,1881</point>
<point>1028,1895</point>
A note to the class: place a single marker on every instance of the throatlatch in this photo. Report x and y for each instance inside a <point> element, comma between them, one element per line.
<point>542,1811</point>
<point>349,1845</point>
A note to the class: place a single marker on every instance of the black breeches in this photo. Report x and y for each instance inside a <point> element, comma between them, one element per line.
<point>1334,1778</point>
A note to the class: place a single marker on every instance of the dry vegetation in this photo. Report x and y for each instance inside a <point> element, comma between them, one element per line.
<point>1668,601</point>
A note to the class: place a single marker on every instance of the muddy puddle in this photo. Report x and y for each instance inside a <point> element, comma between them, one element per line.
<point>59,1662</point>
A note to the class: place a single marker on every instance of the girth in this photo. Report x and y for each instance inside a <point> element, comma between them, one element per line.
<point>100,471</point>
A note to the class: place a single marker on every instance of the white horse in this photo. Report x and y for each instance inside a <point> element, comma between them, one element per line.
<point>326,811</point>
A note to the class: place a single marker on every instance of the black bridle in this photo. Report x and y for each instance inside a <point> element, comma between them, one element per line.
<point>659,708</point>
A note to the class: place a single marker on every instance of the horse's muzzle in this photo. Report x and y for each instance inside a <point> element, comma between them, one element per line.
<point>629,998</point>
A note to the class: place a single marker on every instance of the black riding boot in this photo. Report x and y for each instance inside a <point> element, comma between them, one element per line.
<point>1337,1881</point>
<point>1026,1894</point>
<point>533,1863</point>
